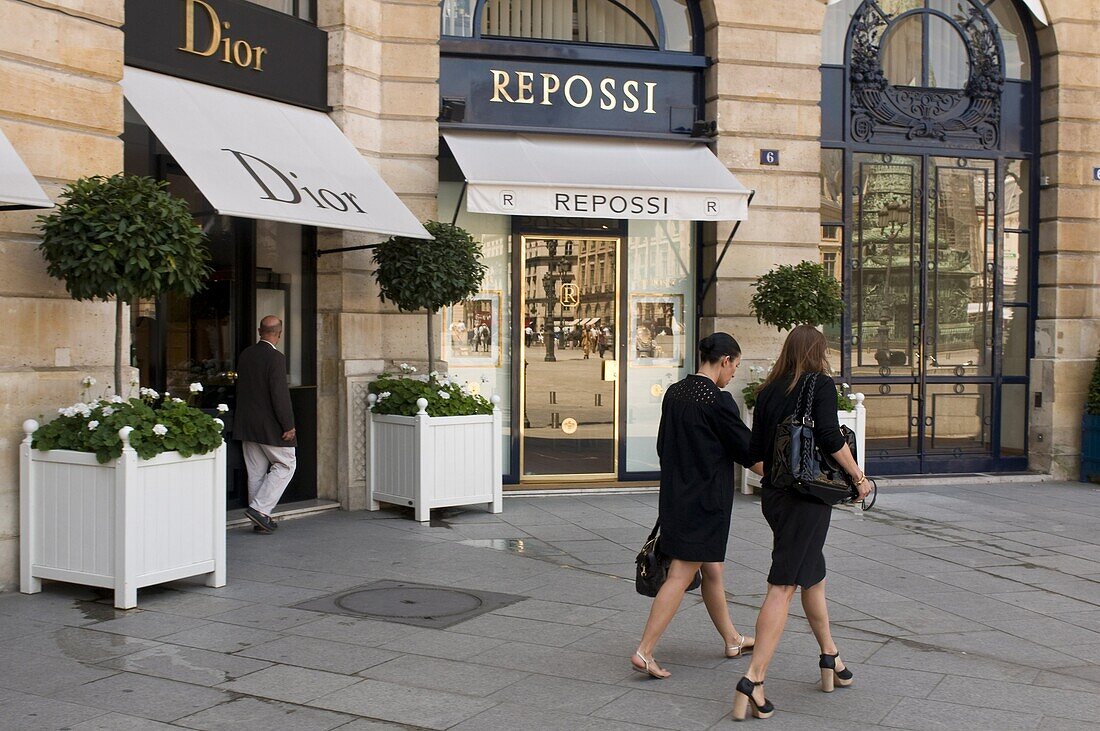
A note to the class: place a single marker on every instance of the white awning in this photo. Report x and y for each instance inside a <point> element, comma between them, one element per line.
<point>258,158</point>
<point>595,177</point>
<point>18,188</point>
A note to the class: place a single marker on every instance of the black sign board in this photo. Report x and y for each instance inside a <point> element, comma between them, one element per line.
<point>232,44</point>
<point>535,94</point>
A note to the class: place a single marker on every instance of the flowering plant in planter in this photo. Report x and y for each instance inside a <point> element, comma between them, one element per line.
<point>844,400</point>
<point>398,393</point>
<point>160,424</point>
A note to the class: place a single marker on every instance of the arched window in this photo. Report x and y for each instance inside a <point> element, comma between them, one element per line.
<point>654,24</point>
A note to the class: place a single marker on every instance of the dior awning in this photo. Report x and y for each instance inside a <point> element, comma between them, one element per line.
<point>595,177</point>
<point>258,158</point>
<point>18,188</point>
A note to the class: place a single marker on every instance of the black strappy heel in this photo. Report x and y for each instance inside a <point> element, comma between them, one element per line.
<point>830,675</point>
<point>742,698</point>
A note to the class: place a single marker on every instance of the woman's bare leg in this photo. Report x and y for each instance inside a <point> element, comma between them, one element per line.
<point>665,604</point>
<point>769,628</point>
<point>714,597</point>
<point>817,614</point>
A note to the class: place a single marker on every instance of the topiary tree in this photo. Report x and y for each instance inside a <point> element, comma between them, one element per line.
<point>1093,405</point>
<point>800,294</point>
<point>419,274</point>
<point>123,237</point>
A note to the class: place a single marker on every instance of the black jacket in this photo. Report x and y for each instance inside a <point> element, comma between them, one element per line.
<point>263,397</point>
<point>775,403</point>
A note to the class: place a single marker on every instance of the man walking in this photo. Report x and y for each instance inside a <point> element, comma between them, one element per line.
<point>264,423</point>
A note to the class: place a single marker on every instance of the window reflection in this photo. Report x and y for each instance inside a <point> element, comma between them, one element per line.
<point>623,22</point>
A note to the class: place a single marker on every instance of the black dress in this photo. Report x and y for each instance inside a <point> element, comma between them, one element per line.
<point>700,437</point>
<point>799,524</point>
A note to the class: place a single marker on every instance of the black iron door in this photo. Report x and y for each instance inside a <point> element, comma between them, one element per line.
<point>927,280</point>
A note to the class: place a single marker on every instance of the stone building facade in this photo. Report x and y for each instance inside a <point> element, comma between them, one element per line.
<point>61,107</point>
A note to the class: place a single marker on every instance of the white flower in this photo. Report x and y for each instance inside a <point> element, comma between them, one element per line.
<point>196,387</point>
<point>87,382</point>
<point>117,399</point>
<point>177,400</point>
<point>83,409</point>
<point>845,386</point>
<point>149,392</point>
<point>406,368</point>
<point>383,396</point>
<point>160,430</point>
<point>434,374</point>
<point>92,424</point>
<point>107,411</point>
<point>444,395</point>
<point>222,408</point>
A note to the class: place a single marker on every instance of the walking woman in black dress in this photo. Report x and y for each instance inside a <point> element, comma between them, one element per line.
<point>700,437</point>
<point>799,524</point>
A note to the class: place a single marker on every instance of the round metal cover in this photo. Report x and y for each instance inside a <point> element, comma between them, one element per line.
<point>406,602</point>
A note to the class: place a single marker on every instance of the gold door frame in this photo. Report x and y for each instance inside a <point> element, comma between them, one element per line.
<point>522,348</point>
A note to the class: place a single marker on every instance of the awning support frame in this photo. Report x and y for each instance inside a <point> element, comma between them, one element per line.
<point>713,278</point>
<point>342,249</point>
<point>458,205</point>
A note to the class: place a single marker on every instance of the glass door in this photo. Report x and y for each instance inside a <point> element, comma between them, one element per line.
<point>924,281</point>
<point>569,382</point>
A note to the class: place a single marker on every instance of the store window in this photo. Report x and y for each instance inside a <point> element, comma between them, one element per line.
<point>304,9</point>
<point>655,24</point>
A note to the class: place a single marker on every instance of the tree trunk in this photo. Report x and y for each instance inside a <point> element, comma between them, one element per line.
<point>118,345</point>
<point>431,343</point>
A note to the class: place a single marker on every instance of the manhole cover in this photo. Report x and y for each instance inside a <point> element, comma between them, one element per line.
<point>415,604</point>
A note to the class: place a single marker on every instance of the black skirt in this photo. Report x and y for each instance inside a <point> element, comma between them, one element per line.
<point>799,526</point>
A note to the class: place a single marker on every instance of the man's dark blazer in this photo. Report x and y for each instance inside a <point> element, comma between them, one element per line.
<point>263,397</point>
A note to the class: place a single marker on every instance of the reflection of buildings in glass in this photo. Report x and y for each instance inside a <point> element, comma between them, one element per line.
<point>587,264</point>
<point>888,246</point>
<point>596,280</point>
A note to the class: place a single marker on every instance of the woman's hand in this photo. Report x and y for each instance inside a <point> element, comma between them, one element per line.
<point>862,485</point>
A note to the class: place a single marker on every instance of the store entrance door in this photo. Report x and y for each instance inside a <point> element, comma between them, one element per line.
<point>569,386</point>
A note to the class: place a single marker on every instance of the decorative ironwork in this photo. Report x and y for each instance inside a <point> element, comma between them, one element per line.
<point>971,114</point>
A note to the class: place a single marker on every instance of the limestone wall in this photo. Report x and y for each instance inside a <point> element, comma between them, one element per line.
<point>1068,329</point>
<point>764,92</point>
<point>61,108</point>
<point>383,88</point>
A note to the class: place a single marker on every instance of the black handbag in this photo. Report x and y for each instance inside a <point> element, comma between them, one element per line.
<point>798,463</point>
<point>651,566</point>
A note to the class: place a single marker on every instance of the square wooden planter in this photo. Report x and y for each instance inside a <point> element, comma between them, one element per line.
<point>122,525</point>
<point>426,462</point>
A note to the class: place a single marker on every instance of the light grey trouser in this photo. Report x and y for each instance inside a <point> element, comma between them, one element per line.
<point>269,472</point>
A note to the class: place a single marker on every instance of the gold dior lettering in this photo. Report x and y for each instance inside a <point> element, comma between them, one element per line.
<point>239,52</point>
<point>526,87</point>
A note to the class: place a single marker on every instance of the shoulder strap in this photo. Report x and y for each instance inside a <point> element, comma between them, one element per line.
<point>806,394</point>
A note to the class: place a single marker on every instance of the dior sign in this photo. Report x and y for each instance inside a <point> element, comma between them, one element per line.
<point>284,186</point>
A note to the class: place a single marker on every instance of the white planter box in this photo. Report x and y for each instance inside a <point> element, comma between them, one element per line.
<point>856,420</point>
<point>124,524</point>
<point>427,462</point>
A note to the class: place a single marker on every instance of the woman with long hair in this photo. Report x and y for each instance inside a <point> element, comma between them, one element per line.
<point>700,437</point>
<point>799,524</point>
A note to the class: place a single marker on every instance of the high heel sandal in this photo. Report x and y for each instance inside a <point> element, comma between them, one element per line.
<point>739,649</point>
<point>647,670</point>
<point>830,675</point>
<point>742,699</point>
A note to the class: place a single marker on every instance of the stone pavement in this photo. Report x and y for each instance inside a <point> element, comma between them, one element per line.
<point>962,607</point>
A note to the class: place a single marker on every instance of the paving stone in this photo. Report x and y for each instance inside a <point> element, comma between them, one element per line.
<point>1044,602</point>
<point>309,652</point>
<point>186,664</point>
<point>442,643</point>
<point>514,716</point>
<point>562,662</point>
<point>15,628</point>
<point>139,695</point>
<point>355,631</point>
<point>246,714</point>
<point>261,592</point>
<point>221,637</point>
<point>664,710</point>
<point>467,677</point>
<point>551,693</point>
<point>186,603</point>
<point>526,630</point>
<point>274,618</point>
<point>120,722</point>
<point>59,604</point>
<point>43,674</point>
<point>413,706</point>
<point>78,643</point>
<point>556,612</point>
<point>148,625</point>
<point>1071,704</point>
<point>289,683</point>
<point>912,655</point>
<point>23,711</point>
